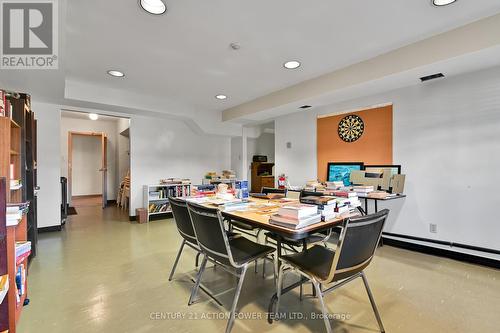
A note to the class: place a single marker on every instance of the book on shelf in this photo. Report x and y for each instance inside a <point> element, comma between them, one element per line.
<point>291,223</point>
<point>20,282</point>
<point>4,287</point>
<point>158,208</point>
<point>22,248</point>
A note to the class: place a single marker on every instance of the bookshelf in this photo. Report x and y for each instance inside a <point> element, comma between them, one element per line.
<point>262,175</point>
<point>156,197</point>
<point>25,118</point>
<point>11,160</point>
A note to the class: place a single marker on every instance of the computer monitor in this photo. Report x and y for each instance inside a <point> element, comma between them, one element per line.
<point>341,171</point>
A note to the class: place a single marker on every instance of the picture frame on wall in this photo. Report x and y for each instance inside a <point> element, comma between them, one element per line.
<point>341,171</point>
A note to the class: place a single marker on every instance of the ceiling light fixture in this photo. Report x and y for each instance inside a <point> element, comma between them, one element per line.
<point>440,3</point>
<point>93,116</point>
<point>155,7</point>
<point>115,73</point>
<point>292,64</point>
<point>221,97</point>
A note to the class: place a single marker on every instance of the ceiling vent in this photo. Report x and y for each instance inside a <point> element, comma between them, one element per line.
<point>431,77</point>
<point>305,107</point>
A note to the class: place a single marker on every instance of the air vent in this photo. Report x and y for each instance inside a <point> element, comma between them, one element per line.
<point>305,107</point>
<point>431,77</point>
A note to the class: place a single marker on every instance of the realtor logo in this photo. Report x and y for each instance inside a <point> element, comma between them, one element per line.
<point>29,35</point>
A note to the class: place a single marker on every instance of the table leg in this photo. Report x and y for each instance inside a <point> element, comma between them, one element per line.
<point>366,206</point>
<point>274,298</point>
<point>376,206</point>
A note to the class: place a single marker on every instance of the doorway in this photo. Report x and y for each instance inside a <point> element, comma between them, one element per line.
<point>87,168</point>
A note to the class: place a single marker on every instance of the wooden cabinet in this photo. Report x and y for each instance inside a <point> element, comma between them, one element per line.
<point>262,176</point>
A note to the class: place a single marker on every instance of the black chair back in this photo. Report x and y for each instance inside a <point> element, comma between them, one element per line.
<point>268,190</point>
<point>210,232</point>
<point>357,244</point>
<point>182,219</point>
<point>305,193</point>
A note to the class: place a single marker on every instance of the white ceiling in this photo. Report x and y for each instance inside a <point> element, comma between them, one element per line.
<point>185,56</point>
<point>176,63</point>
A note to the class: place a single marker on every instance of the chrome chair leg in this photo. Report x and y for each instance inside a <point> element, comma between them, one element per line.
<point>176,260</point>
<point>301,291</point>
<point>372,301</point>
<point>232,317</point>
<point>194,291</point>
<point>323,309</point>
<point>279,286</point>
<point>197,259</point>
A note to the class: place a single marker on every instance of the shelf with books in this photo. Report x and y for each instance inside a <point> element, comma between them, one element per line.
<point>156,196</point>
<point>13,211</point>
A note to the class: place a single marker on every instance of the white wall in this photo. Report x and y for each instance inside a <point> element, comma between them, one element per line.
<point>163,148</point>
<point>87,179</point>
<point>48,165</point>
<point>262,145</point>
<point>123,150</point>
<point>447,138</point>
<point>109,127</point>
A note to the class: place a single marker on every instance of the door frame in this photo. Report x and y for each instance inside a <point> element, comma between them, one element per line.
<point>104,166</point>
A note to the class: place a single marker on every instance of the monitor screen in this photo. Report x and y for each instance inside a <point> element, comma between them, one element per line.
<point>341,171</point>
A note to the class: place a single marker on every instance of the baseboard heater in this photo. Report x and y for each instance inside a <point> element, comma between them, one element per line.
<point>404,241</point>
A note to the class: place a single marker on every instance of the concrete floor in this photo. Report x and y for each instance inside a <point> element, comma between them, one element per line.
<point>105,274</point>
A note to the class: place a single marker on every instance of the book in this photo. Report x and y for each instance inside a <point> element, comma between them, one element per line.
<point>297,211</point>
<point>4,287</point>
<point>345,194</point>
<point>295,224</point>
<point>378,195</point>
<point>363,189</point>
<point>22,248</point>
<point>315,200</point>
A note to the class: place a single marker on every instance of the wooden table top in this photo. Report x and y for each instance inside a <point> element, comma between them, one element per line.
<point>260,210</point>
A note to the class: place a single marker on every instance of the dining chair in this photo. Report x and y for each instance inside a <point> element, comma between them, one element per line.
<point>355,250</point>
<point>272,190</point>
<point>234,254</point>
<point>185,228</point>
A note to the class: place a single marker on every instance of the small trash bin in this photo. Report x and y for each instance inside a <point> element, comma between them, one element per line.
<point>141,215</point>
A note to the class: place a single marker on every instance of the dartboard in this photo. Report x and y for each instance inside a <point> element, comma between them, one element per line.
<point>351,128</point>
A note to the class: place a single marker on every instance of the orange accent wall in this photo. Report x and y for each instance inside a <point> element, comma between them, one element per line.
<point>373,147</point>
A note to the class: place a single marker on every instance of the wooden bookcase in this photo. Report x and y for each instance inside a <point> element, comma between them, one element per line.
<point>262,175</point>
<point>25,118</point>
<point>10,168</point>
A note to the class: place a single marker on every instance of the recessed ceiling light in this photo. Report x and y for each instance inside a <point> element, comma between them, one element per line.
<point>116,73</point>
<point>440,3</point>
<point>156,7</point>
<point>293,64</point>
<point>93,116</point>
<point>221,97</point>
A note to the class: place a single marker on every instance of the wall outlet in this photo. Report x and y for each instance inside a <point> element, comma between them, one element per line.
<point>433,228</point>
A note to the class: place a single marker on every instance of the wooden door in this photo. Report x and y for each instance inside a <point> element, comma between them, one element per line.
<point>104,169</point>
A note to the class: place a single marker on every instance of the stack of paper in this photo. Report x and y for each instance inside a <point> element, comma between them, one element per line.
<point>15,212</point>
